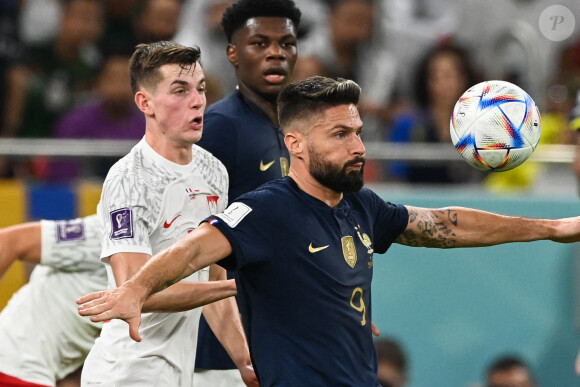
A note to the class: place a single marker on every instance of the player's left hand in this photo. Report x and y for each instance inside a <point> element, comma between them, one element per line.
<point>124,303</point>
<point>249,376</point>
<point>375,330</point>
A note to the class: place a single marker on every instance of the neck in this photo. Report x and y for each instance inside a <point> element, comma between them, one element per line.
<point>312,187</point>
<point>266,105</point>
<point>177,153</point>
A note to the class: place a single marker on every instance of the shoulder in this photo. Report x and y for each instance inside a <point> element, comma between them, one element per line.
<point>211,168</point>
<point>270,195</point>
<point>226,108</point>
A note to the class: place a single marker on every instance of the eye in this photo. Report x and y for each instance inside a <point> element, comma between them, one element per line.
<point>259,43</point>
<point>340,134</point>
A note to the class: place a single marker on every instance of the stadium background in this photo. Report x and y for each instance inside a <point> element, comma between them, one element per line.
<point>452,310</point>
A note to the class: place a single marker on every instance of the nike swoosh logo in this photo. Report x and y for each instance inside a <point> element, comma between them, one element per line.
<point>316,249</point>
<point>264,167</point>
<point>167,225</point>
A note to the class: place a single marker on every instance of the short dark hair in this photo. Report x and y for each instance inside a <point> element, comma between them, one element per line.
<point>313,95</point>
<point>148,57</point>
<point>466,68</point>
<point>506,363</point>
<point>237,14</point>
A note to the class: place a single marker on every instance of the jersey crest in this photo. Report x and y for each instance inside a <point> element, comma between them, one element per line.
<point>348,250</point>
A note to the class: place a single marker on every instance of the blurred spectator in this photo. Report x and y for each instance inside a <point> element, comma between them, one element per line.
<point>308,67</point>
<point>10,46</point>
<point>39,20</point>
<point>57,73</point>
<point>131,22</point>
<point>200,25</point>
<point>392,363</point>
<point>353,47</point>
<point>119,21</point>
<point>509,371</point>
<point>442,76</point>
<point>110,114</point>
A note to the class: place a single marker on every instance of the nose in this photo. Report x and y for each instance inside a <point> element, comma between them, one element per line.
<point>275,51</point>
<point>358,147</point>
<point>198,99</point>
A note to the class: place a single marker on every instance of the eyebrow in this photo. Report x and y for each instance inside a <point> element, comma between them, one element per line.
<point>262,36</point>
<point>185,83</point>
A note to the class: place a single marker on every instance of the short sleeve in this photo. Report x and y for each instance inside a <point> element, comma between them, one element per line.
<point>71,245</point>
<point>125,217</point>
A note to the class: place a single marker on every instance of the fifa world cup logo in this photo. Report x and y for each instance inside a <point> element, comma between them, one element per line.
<point>119,219</point>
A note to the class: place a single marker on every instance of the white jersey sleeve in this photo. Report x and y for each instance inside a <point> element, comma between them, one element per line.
<point>71,245</point>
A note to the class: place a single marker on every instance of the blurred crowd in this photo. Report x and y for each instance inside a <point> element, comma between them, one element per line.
<point>63,69</point>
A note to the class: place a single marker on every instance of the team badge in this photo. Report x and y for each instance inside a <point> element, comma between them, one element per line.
<point>348,250</point>
<point>212,202</point>
<point>364,238</point>
<point>284,166</point>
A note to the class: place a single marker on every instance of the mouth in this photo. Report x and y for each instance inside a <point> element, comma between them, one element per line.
<point>275,75</point>
<point>197,121</point>
<point>356,164</point>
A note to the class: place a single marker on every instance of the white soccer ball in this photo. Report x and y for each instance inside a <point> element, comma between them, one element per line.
<point>495,126</point>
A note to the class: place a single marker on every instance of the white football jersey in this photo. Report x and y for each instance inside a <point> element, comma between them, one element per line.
<point>147,204</point>
<point>42,336</point>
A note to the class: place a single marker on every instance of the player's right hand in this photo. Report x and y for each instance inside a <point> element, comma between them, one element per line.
<point>121,303</point>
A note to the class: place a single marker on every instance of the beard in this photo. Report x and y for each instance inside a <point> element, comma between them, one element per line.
<point>334,177</point>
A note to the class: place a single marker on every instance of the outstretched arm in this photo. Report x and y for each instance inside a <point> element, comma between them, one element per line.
<point>464,227</point>
<point>200,248</point>
<point>20,242</point>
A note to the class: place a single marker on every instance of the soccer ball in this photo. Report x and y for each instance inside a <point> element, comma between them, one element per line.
<point>495,126</point>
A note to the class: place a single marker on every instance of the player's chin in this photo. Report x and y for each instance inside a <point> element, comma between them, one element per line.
<point>192,136</point>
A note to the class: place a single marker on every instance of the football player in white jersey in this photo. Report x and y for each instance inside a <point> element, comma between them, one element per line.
<point>67,253</point>
<point>42,337</point>
<point>152,198</point>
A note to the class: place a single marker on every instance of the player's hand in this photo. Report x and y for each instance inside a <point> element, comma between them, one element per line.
<point>578,364</point>
<point>567,231</point>
<point>375,330</point>
<point>249,376</point>
<point>122,303</point>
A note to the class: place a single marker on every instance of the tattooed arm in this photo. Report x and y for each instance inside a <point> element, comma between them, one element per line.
<point>464,227</point>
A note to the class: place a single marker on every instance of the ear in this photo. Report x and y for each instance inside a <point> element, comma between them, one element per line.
<point>232,54</point>
<point>295,143</point>
<point>144,102</point>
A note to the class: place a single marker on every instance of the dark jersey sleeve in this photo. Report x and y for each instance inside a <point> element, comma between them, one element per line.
<point>390,220</point>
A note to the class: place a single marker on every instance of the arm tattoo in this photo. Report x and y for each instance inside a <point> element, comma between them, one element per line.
<point>431,228</point>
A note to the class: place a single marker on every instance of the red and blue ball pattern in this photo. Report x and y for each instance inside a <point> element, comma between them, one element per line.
<point>495,126</point>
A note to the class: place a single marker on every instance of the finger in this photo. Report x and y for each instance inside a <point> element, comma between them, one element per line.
<point>93,303</point>
<point>90,297</point>
<point>134,327</point>
<point>92,310</point>
<point>105,316</point>
<point>375,330</point>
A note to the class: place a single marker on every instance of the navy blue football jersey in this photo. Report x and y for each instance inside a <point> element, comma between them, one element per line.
<point>243,138</point>
<point>304,281</point>
<point>252,149</point>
